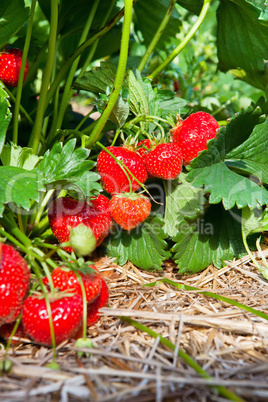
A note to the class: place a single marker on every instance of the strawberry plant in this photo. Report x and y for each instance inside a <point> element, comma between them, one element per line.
<point>153,177</point>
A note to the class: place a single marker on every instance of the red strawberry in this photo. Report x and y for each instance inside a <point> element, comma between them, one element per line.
<point>10,62</point>
<point>66,212</point>
<point>113,177</point>
<point>193,133</point>
<point>101,301</point>
<point>65,279</point>
<point>6,330</point>
<point>67,316</point>
<point>14,283</point>
<point>164,161</point>
<point>143,147</point>
<point>129,209</point>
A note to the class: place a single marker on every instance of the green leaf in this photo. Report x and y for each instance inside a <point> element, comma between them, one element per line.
<point>88,184</point>
<point>5,115</point>
<point>252,155</point>
<point>120,112</point>
<point>183,201</point>
<point>13,14</point>
<point>63,164</point>
<point>18,186</point>
<point>138,101</point>
<point>14,155</point>
<point>214,238</point>
<point>169,103</point>
<point>149,15</point>
<point>242,40</point>
<point>194,6</point>
<point>209,169</point>
<point>144,246</point>
<point>252,221</point>
<point>98,79</point>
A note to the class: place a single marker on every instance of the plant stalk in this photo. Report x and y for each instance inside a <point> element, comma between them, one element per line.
<point>119,78</point>
<point>184,42</point>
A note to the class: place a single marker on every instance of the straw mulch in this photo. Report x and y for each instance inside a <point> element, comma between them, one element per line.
<point>128,364</point>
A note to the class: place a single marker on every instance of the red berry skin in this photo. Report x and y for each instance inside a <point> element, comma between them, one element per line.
<point>143,147</point>
<point>193,133</point>
<point>113,177</point>
<point>165,161</point>
<point>102,300</point>
<point>128,210</point>
<point>6,330</point>
<point>67,212</point>
<point>10,63</point>
<point>67,316</point>
<point>65,279</point>
<point>14,283</point>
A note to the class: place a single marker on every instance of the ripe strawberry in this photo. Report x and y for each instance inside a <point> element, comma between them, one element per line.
<point>65,279</point>
<point>14,283</point>
<point>67,212</point>
<point>6,330</point>
<point>67,316</point>
<point>193,133</point>
<point>10,62</point>
<point>101,301</point>
<point>113,177</point>
<point>143,147</point>
<point>164,161</point>
<point>129,209</point>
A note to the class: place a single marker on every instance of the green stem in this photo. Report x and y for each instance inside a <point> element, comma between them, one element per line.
<point>119,78</point>
<point>95,44</point>
<point>21,108</point>
<point>188,360</point>
<point>63,71</point>
<point>67,87</point>
<point>21,75</point>
<point>157,36</point>
<point>213,295</point>
<point>182,45</point>
<point>10,224</point>
<point>42,103</point>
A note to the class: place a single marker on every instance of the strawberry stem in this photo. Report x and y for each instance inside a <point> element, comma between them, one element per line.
<point>184,42</point>
<point>188,360</point>
<point>21,74</point>
<point>119,78</point>
<point>67,93</point>
<point>157,36</point>
<point>42,102</point>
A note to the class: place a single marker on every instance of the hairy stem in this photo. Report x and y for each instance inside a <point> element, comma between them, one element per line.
<point>119,78</point>
<point>182,45</point>
<point>157,36</point>
<point>42,104</point>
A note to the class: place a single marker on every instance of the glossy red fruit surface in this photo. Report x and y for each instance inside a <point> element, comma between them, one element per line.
<point>10,64</point>
<point>114,179</point>
<point>193,133</point>
<point>14,283</point>
<point>165,161</point>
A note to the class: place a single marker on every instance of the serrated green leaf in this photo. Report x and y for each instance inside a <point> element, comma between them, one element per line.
<point>149,15</point>
<point>144,246</point>
<point>170,104</point>
<point>5,115</point>
<point>18,186</point>
<point>63,163</point>
<point>252,155</point>
<point>138,101</point>
<point>14,155</point>
<point>252,221</point>
<point>214,238</point>
<point>120,112</point>
<point>183,201</point>
<point>87,184</point>
<point>13,14</point>
<point>98,79</point>
<point>211,170</point>
<point>194,6</point>
<point>242,39</point>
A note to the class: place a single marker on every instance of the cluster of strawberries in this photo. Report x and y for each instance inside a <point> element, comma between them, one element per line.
<point>65,305</point>
<point>123,170</point>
